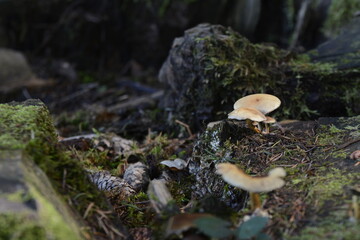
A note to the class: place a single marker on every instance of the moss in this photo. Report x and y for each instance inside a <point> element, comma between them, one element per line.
<point>335,226</point>
<point>328,185</point>
<point>181,190</point>
<point>302,64</point>
<point>134,211</point>
<point>340,13</point>
<point>56,226</point>
<point>234,67</point>
<point>18,196</point>
<point>330,135</point>
<point>19,227</point>
<point>20,124</point>
<point>30,127</point>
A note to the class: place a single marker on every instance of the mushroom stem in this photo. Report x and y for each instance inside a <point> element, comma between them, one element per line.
<point>255,201</point>
<point>267,128</point>
<point>251,126</point>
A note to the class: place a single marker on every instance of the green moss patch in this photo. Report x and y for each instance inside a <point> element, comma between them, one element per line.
<point>28,126</point>
<point>18,227</point>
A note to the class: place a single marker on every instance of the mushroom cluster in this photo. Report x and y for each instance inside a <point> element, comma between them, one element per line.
<point>253,108</point>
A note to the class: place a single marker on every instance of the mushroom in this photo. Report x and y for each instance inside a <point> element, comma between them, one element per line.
<point>266,123</point>
<point>251,116</point>
<point>264,103</point>
<point>238,178</point>
<point>177,164</point>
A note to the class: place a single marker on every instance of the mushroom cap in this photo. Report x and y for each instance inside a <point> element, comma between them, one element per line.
<point>277,172</point>
<point>177,163</point>
<point>236,177</point>
<point>265,103</point>
<point>247,113</point>
<point>269,120</point>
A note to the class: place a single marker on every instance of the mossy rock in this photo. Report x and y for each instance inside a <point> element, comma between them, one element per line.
<point>31,209</point>
<point>211,66</point>
<point>46,191</point>
<point>316,199</point>
<point>340,13</point>
<point>343,51</point>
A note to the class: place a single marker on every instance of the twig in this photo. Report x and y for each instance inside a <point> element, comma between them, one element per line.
<point>89,207</point>
<point>186,127</point>
<point>344,145</point>
<point>70,97</point>
<point>64,179</point>
<point>300,23</point>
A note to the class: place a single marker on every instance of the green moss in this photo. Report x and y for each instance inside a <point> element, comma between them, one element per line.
<point>302,64</point>
<point>30,128</point>
<point>20,124</point>
<point>329,183</point>
<point>181,190</point>
<point>17,196</point>
<point>134,211</point>
<point>330,135</point>
<point>56,226</point>
<point>340,13</point>
<point>19,227</point>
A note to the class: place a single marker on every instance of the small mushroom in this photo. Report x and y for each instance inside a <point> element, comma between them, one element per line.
<point>265,103</point>
<point>238,178</point>
<point>251,116</point>
<point>266,123</point>
<point>177,164</point>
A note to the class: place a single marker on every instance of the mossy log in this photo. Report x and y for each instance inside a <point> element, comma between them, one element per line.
<point>315,202</point>
<point>44,193</point>
<point>211,66</point>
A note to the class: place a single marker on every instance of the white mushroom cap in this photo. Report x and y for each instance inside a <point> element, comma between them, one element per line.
<point>236,177</point>
<point>247,113</point>
<point>265,103</point>
<point>177,163</point>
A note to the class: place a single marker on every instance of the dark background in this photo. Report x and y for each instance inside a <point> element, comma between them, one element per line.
<point>107,36</point>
